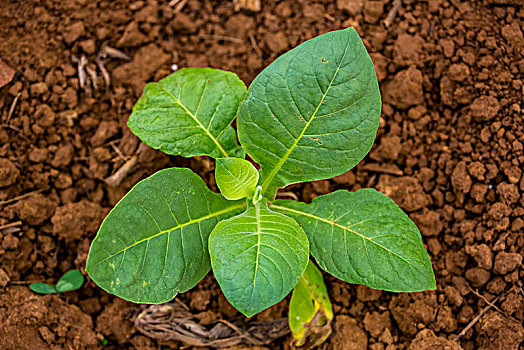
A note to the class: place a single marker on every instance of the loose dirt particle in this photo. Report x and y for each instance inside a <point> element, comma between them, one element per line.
<point>74,32</point>
<point>405,90</point>
<point>115,322</point>
<point>375,323</point>
<point>106,130</point>
<point>460,178</point>
<point>4,279</point>
<point>484,108</point>
<point>277,42</point>
<point>407,48</point>
<point>145,63</point>
<point>506,262</point>
<point>477,276</point>
<point>63,156</point>
<point>373,10</point>
<point>8,172</point>
<point>132,36</point>
<point>409,310</point>
<point>482,255</point>
<point>35,209</point>
<point>23,313</point>
<point>353,7</point>
<point>495,331</point>
<point>406,191</point>
<point>184,24</point>
<point>75,220</point>
<point>453,295</point>
<point>509,193</point>
<point>6,74</point>
<point>477,170</point>
<point>427,340</point>
<point>347,325</point>
<point>428,222</point>
<point>478,192</point>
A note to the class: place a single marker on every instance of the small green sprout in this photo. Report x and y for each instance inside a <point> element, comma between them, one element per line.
<point>71,280</point>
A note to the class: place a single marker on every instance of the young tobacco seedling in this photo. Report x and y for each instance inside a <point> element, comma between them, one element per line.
<point>312,114</point>
<point>71,280</point>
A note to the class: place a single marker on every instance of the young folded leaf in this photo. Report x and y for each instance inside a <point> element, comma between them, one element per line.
<point>364,237</point>
<point>189,113</point>
<point>310,311</point>
<point>257,257</point>
<point>313,113</point>
<point>153,244</point>
<point>236,178</point>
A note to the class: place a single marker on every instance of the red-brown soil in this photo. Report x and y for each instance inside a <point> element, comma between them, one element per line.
<point>449,152</point>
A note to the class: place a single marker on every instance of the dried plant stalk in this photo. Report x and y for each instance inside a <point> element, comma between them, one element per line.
<point>171,322</point>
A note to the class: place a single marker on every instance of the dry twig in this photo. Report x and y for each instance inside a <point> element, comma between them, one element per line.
<point>92,74</point>
<point>103,70</point>
<point>117,178</point>
<point>12,200</point>
<point>81,63</point>
<point>476,319</point>
<point>108,51</point>
<point>221,37</point>
<point>18,130</point>
<point>250,5</point>
<point>11,224</point>
<point>12,108</point>
<point>392,13</point>
<point>253,41</point>
<point>180,6</point>
<point>329,17</point>
<point>118,151</point>
<point>490,303</point>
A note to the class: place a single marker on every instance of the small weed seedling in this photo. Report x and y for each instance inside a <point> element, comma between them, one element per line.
<point>312,114</point>
<point>71,280</point>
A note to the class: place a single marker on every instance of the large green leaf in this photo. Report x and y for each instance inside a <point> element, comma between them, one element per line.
<point>364,237</point>
<point>310,311</point>
<point>154,243</point>
<point>237,178</point>
<point>258,257</point>
<point>313,113</point>
<point>189,113</point>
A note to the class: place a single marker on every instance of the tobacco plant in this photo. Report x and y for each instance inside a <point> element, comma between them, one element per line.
<point>312,114</point>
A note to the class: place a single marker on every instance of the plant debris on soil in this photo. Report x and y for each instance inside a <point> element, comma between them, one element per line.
<point>449,151</point>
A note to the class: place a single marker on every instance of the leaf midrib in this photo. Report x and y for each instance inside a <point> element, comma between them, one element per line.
<point>259,234</point>
<point>333,223</point>
<point>222,150</point>
<point>179,226</point>
<point>282,160</point>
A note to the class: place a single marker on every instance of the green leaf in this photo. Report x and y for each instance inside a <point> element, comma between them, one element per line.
<point>237,178</point>
<point>42,288</point>
<point>258,257</point>
<point>313,113</point>
<point>310,311</point>
<point>153,243</point>
<point>189,113</point>
<point>364,237</point>
<point>71,280</point>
